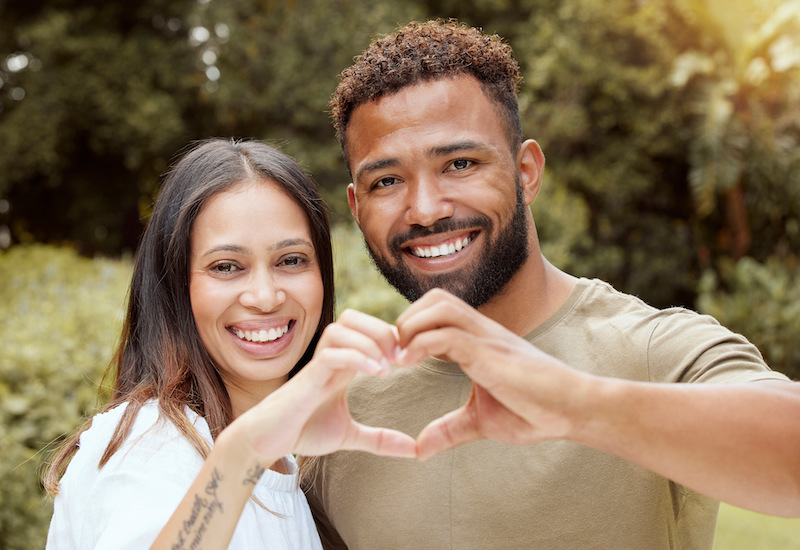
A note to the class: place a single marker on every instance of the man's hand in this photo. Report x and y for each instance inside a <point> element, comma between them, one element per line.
<point>520,395</point>
<point>738,443</point>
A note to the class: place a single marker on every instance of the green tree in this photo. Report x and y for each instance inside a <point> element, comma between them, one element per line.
<point>93,94</point>
<point>744,86</point>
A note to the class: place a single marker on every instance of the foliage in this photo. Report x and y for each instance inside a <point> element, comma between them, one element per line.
<point>739,529</point>
<point>743,88</point>
<point>61,315</point>
<point>279,67</point>
<point>762,301</point>
<point>358,284</point>
<point>99,97</point>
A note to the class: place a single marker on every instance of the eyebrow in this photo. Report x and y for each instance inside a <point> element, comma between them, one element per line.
<point>379,164</point>
<point>440,151</point>
<point>237,249</point>
<point>467,145</point>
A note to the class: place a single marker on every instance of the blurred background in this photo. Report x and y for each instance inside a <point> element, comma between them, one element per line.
<point>671,131</point>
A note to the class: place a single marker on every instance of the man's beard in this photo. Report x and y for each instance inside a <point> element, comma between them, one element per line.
<point>499,262</point>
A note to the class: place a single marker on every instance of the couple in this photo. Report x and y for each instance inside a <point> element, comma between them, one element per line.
<point>230,363</point>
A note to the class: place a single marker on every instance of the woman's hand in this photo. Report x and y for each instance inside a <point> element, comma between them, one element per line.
<point>309,414</point>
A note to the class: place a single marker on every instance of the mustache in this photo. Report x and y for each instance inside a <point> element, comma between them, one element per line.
<point>441,226</point>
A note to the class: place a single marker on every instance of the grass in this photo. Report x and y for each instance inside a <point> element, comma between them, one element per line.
<point>739,529</point>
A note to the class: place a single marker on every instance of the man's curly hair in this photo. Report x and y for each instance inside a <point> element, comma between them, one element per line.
<point>429,51</point>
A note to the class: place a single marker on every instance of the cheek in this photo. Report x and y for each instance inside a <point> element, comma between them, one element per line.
<point>376,221</point>
<point>311,293</point>
<point>204,304</point>
<point>318,292</point>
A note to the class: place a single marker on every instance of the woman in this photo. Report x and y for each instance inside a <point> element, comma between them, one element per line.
<point>231,296</point>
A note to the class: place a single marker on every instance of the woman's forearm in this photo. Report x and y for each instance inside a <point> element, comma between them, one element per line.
<point>208,514</point>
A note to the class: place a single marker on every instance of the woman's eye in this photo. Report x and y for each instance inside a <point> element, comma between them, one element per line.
<point>224,267</point>
<point>294,261</point>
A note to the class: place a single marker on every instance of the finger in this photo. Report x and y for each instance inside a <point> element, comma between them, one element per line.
<point>382,333</point>
<point>381,441</point>
<point>339,335</point>
<point>451,430</point>
<point>351,359</point>
<point>440,310</point>
<point>451,343</point>
<point>430,298</point>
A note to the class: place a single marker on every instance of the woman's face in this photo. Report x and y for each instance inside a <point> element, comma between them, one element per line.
<point>255,287</point>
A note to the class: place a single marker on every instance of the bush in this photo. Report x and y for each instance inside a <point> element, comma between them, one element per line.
<point>61,316</point>
<point>762,302</point>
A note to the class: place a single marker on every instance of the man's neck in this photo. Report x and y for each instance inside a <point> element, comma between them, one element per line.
<point>531,297</point>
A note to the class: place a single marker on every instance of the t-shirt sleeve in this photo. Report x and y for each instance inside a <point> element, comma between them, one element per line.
<point>688,347</point>
<point>133,496</point>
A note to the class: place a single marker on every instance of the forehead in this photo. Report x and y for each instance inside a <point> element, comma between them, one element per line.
<point>253,210</point>
<point>428,114</point>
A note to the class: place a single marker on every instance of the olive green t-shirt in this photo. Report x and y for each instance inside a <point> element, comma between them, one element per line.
<point>554,495</point>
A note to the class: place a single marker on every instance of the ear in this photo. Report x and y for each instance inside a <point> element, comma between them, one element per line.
<point>530,166</point>
<point>351,201</point>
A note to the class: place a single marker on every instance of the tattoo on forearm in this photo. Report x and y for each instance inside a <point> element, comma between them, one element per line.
<point>253,475</point>
<point>204,507</point>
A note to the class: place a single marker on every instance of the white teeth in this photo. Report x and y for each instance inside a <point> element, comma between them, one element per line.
<point>262,335</point>
<point>443,250</point>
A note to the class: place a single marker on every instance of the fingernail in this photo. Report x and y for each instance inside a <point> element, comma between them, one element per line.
<point>374,366</point>
<point>400,355</point>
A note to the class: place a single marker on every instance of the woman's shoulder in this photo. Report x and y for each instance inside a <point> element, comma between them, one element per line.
<point>150,430</point>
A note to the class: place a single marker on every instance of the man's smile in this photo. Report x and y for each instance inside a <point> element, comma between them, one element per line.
<point>446,248</point>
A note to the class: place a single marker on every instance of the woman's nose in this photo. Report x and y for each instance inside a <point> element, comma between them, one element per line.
<point>263,292</point>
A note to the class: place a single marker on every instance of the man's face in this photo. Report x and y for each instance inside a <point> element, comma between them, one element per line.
<point>436,190</point>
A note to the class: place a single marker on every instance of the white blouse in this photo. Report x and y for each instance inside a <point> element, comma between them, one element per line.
<point>126,503</point>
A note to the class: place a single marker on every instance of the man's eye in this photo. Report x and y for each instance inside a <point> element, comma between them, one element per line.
<point>461,164</point>
<point>385,182</point>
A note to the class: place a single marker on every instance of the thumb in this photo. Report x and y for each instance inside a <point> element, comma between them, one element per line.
<point>381,441</point>
<point>451,430</point>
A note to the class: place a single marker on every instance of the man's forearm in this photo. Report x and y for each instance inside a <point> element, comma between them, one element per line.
<point>736,443</point>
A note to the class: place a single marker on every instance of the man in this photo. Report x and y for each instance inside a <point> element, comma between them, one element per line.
<point>557,384</point>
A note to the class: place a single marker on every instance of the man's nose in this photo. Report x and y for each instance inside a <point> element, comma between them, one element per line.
<point>427,202</point>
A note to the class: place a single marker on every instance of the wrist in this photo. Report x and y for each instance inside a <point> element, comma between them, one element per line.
<point>235,448</point>
<point>603,413</point>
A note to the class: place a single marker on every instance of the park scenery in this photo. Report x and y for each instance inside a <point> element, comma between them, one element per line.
<point>671,130</point>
